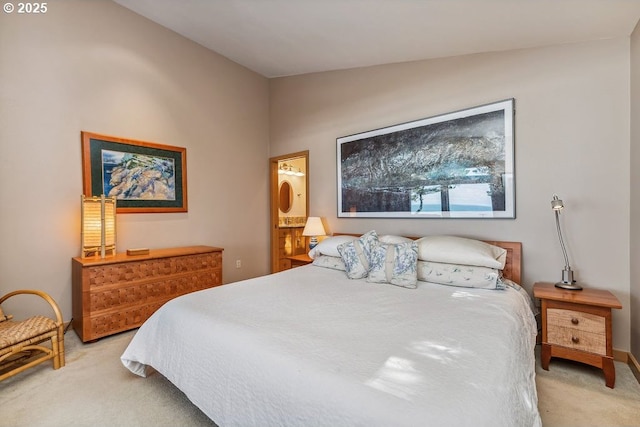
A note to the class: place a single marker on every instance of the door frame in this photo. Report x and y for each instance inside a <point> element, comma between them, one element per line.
<point>274,197</point>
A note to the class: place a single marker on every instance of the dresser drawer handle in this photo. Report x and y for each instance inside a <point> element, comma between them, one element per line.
<point>575,340</point>
<point>574,321</point>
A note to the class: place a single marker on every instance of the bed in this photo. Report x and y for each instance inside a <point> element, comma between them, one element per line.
<point>312,347</point>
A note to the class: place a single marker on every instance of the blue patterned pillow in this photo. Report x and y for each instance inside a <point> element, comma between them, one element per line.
<point>357,253</point>
<point>395,264</point>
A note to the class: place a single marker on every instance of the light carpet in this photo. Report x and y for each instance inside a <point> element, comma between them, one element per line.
<point>94,389</point>
<point>574,394</point>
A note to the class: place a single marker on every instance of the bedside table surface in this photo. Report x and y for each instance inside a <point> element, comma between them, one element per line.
<point>588,296</point>
<point>300,258</point>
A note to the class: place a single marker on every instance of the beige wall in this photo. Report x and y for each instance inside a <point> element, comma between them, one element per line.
<point>572,138</point>
<point>98,67</point>
<point>635,194</point>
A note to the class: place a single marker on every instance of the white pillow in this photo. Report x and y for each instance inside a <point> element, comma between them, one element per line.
<point>327,261</point>
<point>394,240</point>
<point>329,246</point>
<point>466,276</point>
<point>460,250</point>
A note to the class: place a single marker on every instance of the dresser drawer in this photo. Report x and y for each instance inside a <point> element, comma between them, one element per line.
<point>160,289</point>
<point>576,319</point>
<point>577,339</point>
<point>577,330</point>
<point>284,264</point>
<point>118,273</point>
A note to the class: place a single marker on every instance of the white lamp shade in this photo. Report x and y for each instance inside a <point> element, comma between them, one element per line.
<point>313,227</point>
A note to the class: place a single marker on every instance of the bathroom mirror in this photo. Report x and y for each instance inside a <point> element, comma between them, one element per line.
<point>286,196</point>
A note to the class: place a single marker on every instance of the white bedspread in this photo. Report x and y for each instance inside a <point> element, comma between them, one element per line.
<point>309,347</point>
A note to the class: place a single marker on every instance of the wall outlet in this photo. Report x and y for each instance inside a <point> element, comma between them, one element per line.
<point>238,263</point>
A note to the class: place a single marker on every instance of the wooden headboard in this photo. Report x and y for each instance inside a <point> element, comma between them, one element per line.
<point>513,265</point>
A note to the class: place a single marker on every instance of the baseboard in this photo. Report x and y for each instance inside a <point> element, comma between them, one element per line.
<point>629,359</point>
<point>620,356</point>
<point>635,366</point>
<point>67,325</point>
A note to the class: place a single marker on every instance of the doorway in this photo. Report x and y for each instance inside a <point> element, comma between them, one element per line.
<point>289,187</point>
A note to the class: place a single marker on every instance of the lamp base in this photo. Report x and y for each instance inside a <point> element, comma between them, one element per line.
<point>567,281</point>
<point>569,286</point>
<point>313,242</point>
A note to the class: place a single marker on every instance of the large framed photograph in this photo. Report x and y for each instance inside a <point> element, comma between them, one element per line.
<point>144,176</point>
<point>455,165</point>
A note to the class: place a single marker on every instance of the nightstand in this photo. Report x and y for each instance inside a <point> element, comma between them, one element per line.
<point>299,260</point>
<point>576,325</point>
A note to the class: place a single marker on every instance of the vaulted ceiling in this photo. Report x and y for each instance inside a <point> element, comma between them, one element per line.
<point>288,37</point>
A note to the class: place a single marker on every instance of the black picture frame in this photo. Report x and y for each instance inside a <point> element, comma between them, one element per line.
<point>454,165</point>
<point>145,177</point>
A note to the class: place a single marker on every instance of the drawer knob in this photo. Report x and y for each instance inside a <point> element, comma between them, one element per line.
<point>574,321</point>
<point>575,340</point>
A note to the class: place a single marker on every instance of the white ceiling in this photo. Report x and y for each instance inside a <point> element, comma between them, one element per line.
<point>288,37</point>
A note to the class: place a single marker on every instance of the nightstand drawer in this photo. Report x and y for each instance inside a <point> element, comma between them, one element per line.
<point>576,320</point>
<point>577,339</point>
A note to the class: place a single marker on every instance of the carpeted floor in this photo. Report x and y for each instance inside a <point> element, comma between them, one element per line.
<point>94,389</point>
<point>574,394</point>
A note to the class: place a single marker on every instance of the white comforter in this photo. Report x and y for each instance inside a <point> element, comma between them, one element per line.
<point>309,347</point>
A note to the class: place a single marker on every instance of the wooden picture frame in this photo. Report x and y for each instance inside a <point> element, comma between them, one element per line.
<point>145,177</point>
<point>455,165</point>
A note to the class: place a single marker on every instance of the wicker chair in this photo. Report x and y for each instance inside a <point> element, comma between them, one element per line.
<point>20,342</point>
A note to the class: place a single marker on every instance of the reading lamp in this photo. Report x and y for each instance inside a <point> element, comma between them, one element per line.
<point>98,232</point>
<point>567,281</point>
<point>313,228</point>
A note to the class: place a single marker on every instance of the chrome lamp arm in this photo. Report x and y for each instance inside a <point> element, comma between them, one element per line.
<point>567,282</point>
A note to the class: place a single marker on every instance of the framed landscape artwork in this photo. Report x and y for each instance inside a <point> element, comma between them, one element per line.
<point>144,176</point>
<point>455,165</point>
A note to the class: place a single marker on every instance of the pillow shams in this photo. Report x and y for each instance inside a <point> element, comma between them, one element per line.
<point>395,264</point>
<point>329,246</point>
<point>327,261</point>
<point>357,253</point>
<point>461,251</point>
<point>393,239</point>
<point>466,276</point>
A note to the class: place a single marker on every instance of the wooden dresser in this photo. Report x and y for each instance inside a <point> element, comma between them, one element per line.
<point>120,292</point>
<point>576,325</point>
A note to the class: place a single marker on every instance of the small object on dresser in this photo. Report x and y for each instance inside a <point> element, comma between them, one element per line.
<point>138,251</point>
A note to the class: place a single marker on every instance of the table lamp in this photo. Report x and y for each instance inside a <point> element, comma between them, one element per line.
<point>567,282</point>
<point>313,228</point>
<point>98,230</point>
